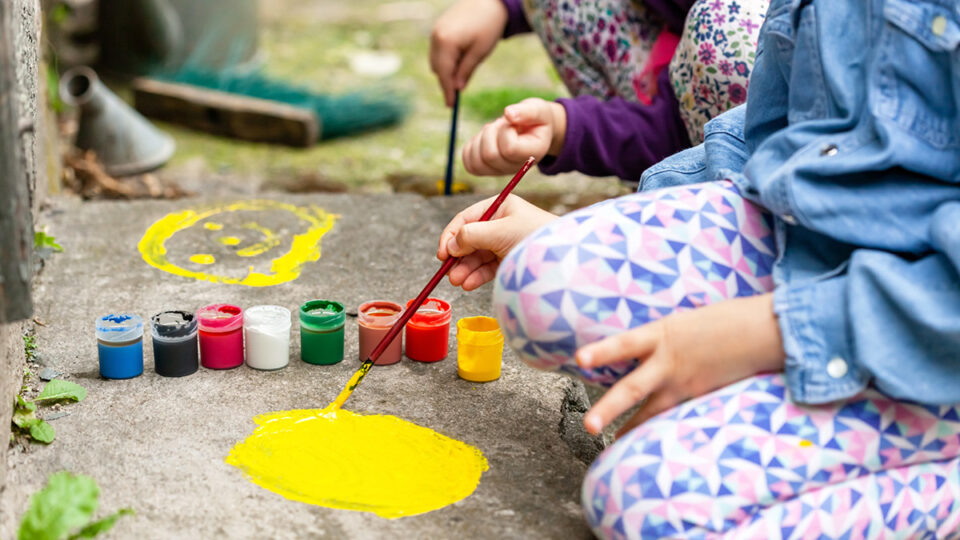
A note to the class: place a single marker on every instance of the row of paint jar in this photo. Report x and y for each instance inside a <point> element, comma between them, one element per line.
<point>220,330</point>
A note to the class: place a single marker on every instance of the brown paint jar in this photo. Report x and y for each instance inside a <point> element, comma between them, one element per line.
<point>375,318</point>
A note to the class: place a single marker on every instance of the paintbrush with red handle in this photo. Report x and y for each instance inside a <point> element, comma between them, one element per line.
<point>419,300</point>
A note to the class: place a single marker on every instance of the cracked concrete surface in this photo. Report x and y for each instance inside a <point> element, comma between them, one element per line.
<point>158,444</point>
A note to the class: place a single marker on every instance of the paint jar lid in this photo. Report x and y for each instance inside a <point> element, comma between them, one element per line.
<point>267,319</point>
<point>433,312</point>
<point>119,327</point>
<point>173,325</point>
<point>481,331</point>
<point>379,313</point>
<point>220,318</point>
<point>322,315</point>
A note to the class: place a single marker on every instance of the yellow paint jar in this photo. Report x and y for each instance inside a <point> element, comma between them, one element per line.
<point>479,349</point>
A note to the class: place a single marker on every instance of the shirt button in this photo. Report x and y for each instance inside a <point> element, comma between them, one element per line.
<point>939,25</point>
<point>836,367</point>
<point>829,150</point>
<point>788,219</point>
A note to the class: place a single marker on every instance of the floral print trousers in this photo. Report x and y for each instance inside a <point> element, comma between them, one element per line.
<point>600,48</point>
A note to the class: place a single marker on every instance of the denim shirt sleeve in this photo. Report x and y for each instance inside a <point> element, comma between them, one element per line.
<point>889,319</point>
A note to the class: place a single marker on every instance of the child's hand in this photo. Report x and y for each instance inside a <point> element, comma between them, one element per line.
<point>685,355</point>
<point>533,127</point>
<point>481,246</point>
<point>462,37</point>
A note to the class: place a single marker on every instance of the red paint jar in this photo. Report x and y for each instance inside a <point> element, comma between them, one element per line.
<point>428,332</point>
<point>221,336</point>
<point>375,319</point>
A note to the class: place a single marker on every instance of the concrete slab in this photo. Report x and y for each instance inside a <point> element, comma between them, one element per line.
<point>158,444</point>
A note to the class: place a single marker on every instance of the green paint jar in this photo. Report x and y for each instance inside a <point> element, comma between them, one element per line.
<point>321,332</point>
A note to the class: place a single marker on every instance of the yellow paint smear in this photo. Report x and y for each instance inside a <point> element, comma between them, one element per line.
<point>202,258</point>
<point>269,241</point>
<point>304,246</point>
<point>229,240</point>
<point>338,459</point>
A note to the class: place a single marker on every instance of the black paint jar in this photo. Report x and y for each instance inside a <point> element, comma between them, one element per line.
<point>175,343</point>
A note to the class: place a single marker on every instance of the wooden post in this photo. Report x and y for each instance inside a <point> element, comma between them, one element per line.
<point>16,223</point>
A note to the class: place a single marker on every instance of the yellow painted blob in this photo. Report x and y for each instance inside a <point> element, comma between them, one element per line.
<point>304,245</point>
<point>229,240</point>
<point>338,459</point>
<point>202,258</point>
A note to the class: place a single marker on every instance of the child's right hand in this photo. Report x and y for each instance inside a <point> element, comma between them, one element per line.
<point>533,127</point>
<point>481,245</point>
<point>462,37</point>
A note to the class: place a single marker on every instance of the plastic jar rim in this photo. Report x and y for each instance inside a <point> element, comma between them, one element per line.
<point>363,315</point>
<point>267,317</point>
<point>119,327</point>
<point>433,312</point>
<point>173,331</point>
<point>469,336</point>
<point>219,318</point>
<point>332,316</point>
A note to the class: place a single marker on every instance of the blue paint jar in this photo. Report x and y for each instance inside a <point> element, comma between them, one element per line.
<point>120,345</point>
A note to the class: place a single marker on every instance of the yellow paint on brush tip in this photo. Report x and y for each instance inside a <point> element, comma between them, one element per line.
<point>338,459</point>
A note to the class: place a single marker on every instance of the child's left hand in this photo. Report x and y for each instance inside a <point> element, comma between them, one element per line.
<point>684,355</point>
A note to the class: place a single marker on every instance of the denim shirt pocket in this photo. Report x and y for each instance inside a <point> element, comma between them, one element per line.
<point>916,70</point>
<point>793,31</point>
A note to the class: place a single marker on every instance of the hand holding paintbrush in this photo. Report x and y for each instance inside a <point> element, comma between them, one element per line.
<point>418,301</point>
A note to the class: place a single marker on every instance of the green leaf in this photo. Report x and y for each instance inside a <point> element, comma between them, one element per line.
<point>41,431</point>
<point>58,389</point>
<point>711,70</point>
<point>102,525</point>
<point>22,418</point>
<point>25,405</point>
<point>41,239</point>
<point>66,503</point>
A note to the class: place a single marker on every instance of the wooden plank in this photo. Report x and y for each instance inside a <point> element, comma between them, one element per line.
<point>226,114</point>
<point>16,221</point>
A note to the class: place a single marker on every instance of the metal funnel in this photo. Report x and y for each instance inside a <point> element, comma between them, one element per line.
<point>124,141</point>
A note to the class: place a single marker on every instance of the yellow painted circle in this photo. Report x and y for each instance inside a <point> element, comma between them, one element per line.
<point>229,240</point>
<point>304,246</point>
<point>339,459</point>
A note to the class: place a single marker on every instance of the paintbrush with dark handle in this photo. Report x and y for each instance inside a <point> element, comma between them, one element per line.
<point>418,301</point>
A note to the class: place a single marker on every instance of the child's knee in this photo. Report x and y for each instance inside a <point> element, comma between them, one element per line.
<point>524,289</point>
<point>607,497</point>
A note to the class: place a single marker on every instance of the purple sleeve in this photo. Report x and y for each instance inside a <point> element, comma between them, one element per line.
<point>673,12</point>
<point>617,137</point>
<point>516,18</point>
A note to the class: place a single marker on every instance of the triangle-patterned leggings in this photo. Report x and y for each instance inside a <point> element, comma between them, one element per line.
<point>744,461</point>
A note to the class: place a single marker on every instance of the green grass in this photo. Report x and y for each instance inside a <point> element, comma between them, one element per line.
<point>488,103</point>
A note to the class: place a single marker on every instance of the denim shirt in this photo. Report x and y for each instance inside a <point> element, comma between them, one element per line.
<point>851,139</point>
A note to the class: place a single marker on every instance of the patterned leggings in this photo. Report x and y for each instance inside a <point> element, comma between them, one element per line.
<point>743,461</point>
<point>600,48</point>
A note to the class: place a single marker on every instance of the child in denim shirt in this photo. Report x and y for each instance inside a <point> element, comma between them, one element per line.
<point>782,300</point>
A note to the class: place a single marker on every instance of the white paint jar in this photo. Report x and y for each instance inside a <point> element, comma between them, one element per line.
<point>266,332</point>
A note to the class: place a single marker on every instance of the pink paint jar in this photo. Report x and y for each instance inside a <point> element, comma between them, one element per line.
<point>375,318</point>
<point>221,336</point>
